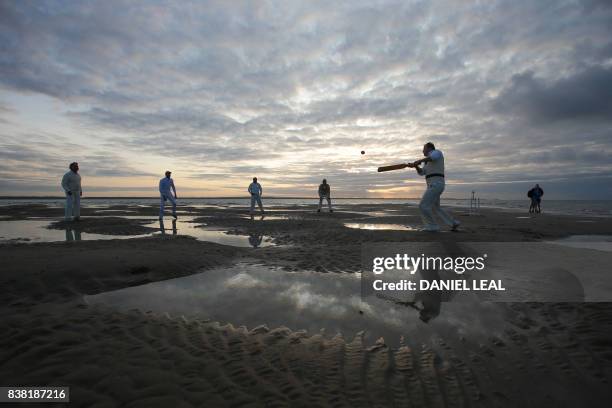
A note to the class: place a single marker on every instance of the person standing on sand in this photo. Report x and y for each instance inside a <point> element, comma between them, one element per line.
<point>531,201</point>
<point>433,170</point>
<point>71,183</point>
<point>256,191</point>
<point>325,192</point>
<point>536,199</point>
<point>165,185</point>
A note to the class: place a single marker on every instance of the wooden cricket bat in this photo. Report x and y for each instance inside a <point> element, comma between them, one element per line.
<point>393,167</point>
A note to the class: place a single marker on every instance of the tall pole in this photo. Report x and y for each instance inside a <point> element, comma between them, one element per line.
<point>472,203</point>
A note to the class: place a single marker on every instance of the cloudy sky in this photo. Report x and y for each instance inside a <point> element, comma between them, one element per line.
<point>513,92</point>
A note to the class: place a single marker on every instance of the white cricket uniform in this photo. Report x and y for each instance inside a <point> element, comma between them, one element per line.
<point>256,191</point>
<point>430,202</point>
<point>71,183</point>
<point>165,186</point>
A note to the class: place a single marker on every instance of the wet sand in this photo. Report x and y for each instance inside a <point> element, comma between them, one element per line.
<point>544,354</point>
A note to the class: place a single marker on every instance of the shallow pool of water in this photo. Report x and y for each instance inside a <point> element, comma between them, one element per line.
<point>184,226</point>
<point>257,217</point>
<point>253,295</point>
<point>367,226</point>
<point>386,213</point>
<point>114,211</point>
<point>35,230</point>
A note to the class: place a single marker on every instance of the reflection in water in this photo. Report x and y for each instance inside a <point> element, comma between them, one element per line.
<point>36,230</point>
<point>162,228</point>
<point>185,226</point>
<point>431,301</point>
<point>367,226</point>
<point>267,217</point>
<point>427,302</point>
<point>252,295</point>
<point>255,240</point>
<point>73,233</point>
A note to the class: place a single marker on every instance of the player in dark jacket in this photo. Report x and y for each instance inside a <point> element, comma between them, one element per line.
<point>535,194</point>
<point>325,192</point>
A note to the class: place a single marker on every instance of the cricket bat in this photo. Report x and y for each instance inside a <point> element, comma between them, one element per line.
<point>393,167</point>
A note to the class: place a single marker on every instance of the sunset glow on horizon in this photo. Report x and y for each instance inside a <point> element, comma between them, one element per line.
<point>291,92</point>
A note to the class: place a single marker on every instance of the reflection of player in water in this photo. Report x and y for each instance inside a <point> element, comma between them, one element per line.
<point>162,227</point>
<point>255,240</point>
<point>429,302</point>
<point>72,233</point>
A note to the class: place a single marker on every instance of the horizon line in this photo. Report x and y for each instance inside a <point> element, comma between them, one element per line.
<point>216,197</point>
<point>8,197</point>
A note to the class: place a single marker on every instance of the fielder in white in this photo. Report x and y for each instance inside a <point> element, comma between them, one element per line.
<point>325,193</point>
<point>71,183</point>
<point>165,185</point>
<point>256,191</point>
<point>433,170</point>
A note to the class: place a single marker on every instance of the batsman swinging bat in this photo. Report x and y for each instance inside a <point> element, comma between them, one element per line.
<point>393,167</point>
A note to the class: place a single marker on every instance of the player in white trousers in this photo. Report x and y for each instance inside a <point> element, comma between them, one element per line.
<point>433,170</point>
<point>165,186</point>
<point>71,183</point>
<point>256,191</point>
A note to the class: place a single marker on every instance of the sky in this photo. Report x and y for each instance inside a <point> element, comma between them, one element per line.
<point>512,92</point>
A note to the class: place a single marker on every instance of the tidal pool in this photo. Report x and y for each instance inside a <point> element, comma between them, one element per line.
<point>36,230</point>
<point>183,226</point>
<point>368,226</point>
<point>253,295</point>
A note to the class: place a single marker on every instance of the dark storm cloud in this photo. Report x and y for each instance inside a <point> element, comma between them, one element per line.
<point>586,94</point>
<point>507,89</point>
<point>592,6</point>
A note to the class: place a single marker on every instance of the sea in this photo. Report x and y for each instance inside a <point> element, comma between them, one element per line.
<point>591,208</point>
